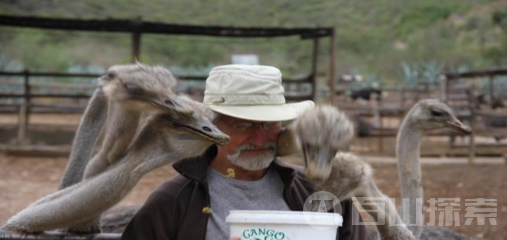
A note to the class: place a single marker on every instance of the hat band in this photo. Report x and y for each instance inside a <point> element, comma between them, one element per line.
<point>272,99</point>
<point>273,76</point>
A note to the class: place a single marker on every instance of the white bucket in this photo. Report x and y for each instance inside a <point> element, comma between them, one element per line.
<point>283,225</point>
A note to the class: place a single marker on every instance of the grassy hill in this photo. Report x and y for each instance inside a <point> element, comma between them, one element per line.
<point>384,40</point>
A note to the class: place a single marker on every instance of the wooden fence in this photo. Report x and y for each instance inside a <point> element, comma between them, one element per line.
<point>57,236</point>
<point>394,103</point>
<point>24,102</point>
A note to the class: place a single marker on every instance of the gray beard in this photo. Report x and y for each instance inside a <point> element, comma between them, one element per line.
<point>259,162</point>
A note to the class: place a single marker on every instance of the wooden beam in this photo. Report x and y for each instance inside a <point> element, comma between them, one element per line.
<point>129,26</point>
<point>24,110</point>
<point>136,39</point>
<point>58,235</point>
<point>492,90</point>
<point>49,74</point>
<point>476,73</point>
<point>315,59</point>
<point>332,67</point>
<point>136,46</point>
<point>43,95</point>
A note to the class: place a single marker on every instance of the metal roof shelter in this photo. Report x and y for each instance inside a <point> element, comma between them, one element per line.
<point>476,73</point>
<point>137,27</point>
<point>489,73</point>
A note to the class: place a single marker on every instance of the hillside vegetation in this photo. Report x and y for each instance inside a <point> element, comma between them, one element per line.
<point>384,40</point>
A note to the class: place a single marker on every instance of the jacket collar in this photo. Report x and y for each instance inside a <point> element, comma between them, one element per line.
<point>196,168</point>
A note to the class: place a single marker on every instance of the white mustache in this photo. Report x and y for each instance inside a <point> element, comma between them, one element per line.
<point>248,146</point>
<point>255,163</point>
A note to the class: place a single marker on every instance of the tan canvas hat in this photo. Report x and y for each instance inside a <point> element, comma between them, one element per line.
<point>250,92</point>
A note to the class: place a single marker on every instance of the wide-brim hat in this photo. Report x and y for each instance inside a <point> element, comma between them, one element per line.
<point>251,92</point>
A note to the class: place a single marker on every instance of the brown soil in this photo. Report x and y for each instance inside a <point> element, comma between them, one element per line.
<point>458,181</point>
<point>23,180</point>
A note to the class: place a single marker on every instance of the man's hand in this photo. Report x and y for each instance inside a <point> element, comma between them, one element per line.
<point>235,238</point>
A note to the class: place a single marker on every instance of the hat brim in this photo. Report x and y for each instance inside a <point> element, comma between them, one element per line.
<point>264,113</point>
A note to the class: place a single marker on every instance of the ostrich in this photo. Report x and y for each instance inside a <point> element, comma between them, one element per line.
<point>124,93</point>
<point>163,139</point>
<point>426,115</point>
<point>322,131</point>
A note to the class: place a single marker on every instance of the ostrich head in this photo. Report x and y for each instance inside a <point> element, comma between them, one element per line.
<point>199,122</point>
<point>142,87</point>
<point>192,127</point>
<point>197,125</point>
<point>183,135</point>
<point>321,132</point>
<point>430,114</point>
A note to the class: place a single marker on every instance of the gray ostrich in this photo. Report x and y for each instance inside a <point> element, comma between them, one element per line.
<point>124,93</point>
<point>322,132</point>
<point>146,126</point>
<point>164,139</point>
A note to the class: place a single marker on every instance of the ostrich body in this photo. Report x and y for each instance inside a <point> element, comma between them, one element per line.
<point>172,128</point>
<point>116,107</point>
<point>164,138</point>
<point>126,93</point>
<point>321,133</point>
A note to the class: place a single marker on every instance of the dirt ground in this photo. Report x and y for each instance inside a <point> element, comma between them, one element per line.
<point>23,180</point>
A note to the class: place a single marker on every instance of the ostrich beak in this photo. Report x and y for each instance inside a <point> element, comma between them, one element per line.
<point>317,164</point>
<point>457,125</point>
<point>204,128</point>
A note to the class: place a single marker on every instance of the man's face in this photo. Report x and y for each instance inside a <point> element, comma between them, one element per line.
<point>252,145</point>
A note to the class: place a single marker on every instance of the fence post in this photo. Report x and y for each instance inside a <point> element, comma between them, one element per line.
<point>24,110</point>
<point>136,39</point>
<point>492,91</point>
<point>332,67</point>
<point>471,147</point>
<point>315,59</point>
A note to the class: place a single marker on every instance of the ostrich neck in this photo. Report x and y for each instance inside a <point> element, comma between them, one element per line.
<point>408,145</point>
<point>148,153</point>
<point>409,171</point>
<point>122,125</point>
<point>153,149</point>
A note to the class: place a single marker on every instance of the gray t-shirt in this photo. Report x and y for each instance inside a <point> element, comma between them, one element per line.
<point>232,194</point>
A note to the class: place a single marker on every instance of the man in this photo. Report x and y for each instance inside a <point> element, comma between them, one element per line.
<point>243,175</point>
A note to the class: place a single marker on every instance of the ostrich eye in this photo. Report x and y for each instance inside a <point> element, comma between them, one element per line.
<point>436,113</point>
<point>108,76</point>
<point>133,88</point>
<point>111,75</point>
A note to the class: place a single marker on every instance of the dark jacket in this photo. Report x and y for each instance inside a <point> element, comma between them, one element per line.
<point>177,210</point>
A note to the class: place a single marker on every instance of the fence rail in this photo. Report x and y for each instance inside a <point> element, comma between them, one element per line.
<point>57,235</point>
<point>83,91</point>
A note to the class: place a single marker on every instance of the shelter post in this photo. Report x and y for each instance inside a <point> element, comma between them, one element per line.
<point>24,109</point>
<point>136,42</point>
<point>492,90</point>
<point>136,39</point>
<point>332,68</point>
<point>315,59</point>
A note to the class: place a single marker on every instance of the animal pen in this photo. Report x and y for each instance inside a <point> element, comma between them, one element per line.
<point>379,117</point>
<point>392,102</point>
<point>22,95</point>
<point>30,96</point>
